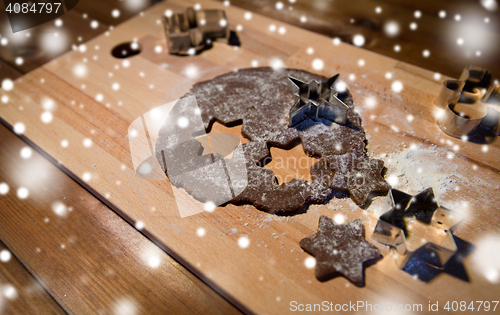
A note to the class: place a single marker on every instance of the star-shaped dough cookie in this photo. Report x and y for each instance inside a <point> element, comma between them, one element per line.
<point>354,173</point>
<point>340,249</point>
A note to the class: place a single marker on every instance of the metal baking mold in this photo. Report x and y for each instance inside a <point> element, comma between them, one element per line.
<point>192,31</point>
<point>317,101</point>
<point>467,103</point>
<point>391,228</point>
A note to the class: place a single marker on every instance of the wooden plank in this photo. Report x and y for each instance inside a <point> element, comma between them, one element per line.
<point>78,27</point>
<point>102,10</point>
<point>274,271</point>
<point>43,43</point>
<point>345,19</point>
<point>21,293</point>
<point>330,19</point>
<point>84,255</point>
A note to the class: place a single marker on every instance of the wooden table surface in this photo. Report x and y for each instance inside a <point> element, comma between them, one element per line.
<point>116,277</point>
<point>113,267</point>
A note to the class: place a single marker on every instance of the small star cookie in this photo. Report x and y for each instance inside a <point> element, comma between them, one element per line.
<point>340,249</point>
<point>353,172</point>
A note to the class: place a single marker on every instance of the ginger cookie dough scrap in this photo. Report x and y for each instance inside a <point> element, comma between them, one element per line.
<point>260,100</point>
<point>340,249</point>
<point>353,172</point>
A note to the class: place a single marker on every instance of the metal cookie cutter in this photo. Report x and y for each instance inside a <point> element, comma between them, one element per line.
<point>191,31</point>
<point>316,101</point>
<point>392,228</point>
<point>467,103</point>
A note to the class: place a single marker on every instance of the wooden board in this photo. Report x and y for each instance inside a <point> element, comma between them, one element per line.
<point>270,273</point>
<point>83,256</point>
<point>21,293</point>
<point>345,19</point>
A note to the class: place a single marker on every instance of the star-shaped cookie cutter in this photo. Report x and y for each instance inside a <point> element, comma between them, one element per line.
<point>317,100</point>
<point>466,103</point>
<point>192,31</point>
<point>391,228</point>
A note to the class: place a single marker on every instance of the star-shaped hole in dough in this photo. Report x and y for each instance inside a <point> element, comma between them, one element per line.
<point>220,140</point>
<point>317,101</point>
<point>340,249</point>
<point>289,164</point>
<point>353,173</point>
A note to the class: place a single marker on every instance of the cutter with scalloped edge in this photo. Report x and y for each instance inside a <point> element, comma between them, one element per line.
<point>467,103</point>
<point>192,31</point>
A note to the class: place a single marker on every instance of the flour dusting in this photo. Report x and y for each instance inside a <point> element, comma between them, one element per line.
<point>416,168</point>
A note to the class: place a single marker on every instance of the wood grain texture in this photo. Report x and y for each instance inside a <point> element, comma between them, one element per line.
<point>101,11</point>
<point>43,43</point>
<point>90,260</point>
<point>345,19</point>
<point>24,295</point>
<point>269,274</point>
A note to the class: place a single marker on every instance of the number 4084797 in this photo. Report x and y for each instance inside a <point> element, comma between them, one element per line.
<point>472,306</point>
<point>39,7</point>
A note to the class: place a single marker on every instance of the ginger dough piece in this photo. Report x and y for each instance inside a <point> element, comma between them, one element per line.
<point>260,99</point>
<point>340,249</point>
